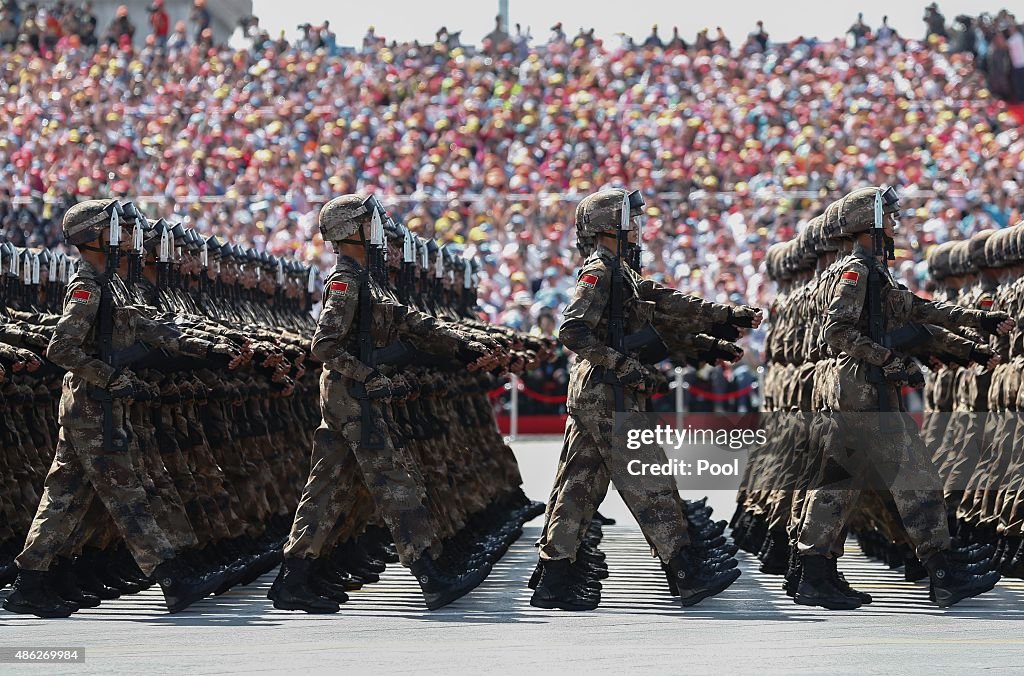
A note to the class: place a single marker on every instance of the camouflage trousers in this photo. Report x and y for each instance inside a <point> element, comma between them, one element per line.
<point>867,451</point>
<point>590,460</point>
<point>337,456</point>
<point>82,471</point>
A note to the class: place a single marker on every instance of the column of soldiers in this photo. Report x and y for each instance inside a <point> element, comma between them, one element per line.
<point>971,425</point>
<point>842,456</point>
<point>157,414</point>
<point>619,325</point>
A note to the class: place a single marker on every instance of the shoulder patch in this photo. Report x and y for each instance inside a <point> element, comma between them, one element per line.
<point>339,287</point>
<point>850,277</point>
<point>986,302</point>
<point>588,280</point>
<point>81,296</point>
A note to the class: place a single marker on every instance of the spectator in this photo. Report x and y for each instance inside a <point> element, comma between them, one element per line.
<point>370,40</point>
<point>86,24</point>
<point>328,40</point>
<point>557,34</point>
<point>160,22</point>
<point>677,43</point>
<point>886,35</point>
<point>1015,45</point>
<point>859,31</point>
<point>179,39</point>
<point>935,22</point>
<point>653,40</point>
<point>121,31</point>
<point>200,18</point>
<point>758,40</point>
<point>494,42</point>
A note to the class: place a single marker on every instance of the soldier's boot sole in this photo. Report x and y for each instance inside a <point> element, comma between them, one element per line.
<point>574,604</point>
<point>283,604</point>
<point>830,603</point>
<point>444,597</point>
<point>180,601</point>
<point>691,597</point>
<point>944,598</point>
<point>16,605</point>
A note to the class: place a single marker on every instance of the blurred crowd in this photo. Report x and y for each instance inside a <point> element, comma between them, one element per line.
<point>735,145</point>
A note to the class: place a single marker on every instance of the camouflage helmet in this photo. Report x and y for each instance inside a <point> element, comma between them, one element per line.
<point>960,260</point>
<point>856,212</point>
<point>602,212</point>
<point>976,248</point>
<point>937,258</point>
<point>1016,249</point>
<point>343,216</point>
<point>995,247</point>
<point>84,222</point>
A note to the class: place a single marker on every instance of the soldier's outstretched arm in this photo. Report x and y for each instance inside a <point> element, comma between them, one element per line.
<point>81,304</point>
<point>583,314</point>
<point>841,331</point>
<point>168,337</point>
<point>953,317</point>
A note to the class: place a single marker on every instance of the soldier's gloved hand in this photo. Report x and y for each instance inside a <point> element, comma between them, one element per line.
<point>399,387</point>
<point>915,377</point>
<point>745,317</point>
<point>122,385</point>
<point>997,322</point>
<point>984,356</point>
<point>725,351</point>
<point>377,386</point>
<point>225,354</point>
<point>629,370</point>
<point>895,371</point>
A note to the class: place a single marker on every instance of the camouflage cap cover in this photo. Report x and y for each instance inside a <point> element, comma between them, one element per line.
<point>600,212</point>
<point>342,217</point>
<point>84,222</point>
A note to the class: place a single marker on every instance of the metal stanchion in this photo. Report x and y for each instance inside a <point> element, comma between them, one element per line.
<point>513,423</point>
<point>680,400</point>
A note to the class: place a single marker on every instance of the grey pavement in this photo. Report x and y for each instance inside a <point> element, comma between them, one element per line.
<point>751,628</point>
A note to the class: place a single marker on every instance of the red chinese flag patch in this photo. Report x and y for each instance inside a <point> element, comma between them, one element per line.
<point>589,281</point>
<point>80,296</point>
<point>986,303</point>
<point>339,287</point>
<point>850,277</point>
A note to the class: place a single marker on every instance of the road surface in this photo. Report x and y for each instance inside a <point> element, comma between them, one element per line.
<point>752,627</point>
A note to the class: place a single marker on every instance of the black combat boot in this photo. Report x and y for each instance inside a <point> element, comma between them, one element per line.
<point>440,587</point>
<point>63,582</point>
<point>818,588</point>
<point>34,595</point>
<point>85,575</point>
<point>695,581</point>
<point>295,590</point>
<point>913,569</point>
<point>603,520</point>
<point>558,588</point>
<point>183,587</point>
<point>951,584</point>
<point>844,586</point>
<point>776,557</point>
<point>1013,561</point>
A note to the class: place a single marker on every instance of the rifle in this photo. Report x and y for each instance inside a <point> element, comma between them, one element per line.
<point>616,320</point>
<point>876,321</point>
<point>369,438</point>
<point>106,326</point>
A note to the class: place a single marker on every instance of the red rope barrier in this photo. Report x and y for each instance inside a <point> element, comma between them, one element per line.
<point>561,398</point>
<point>725,396</point>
